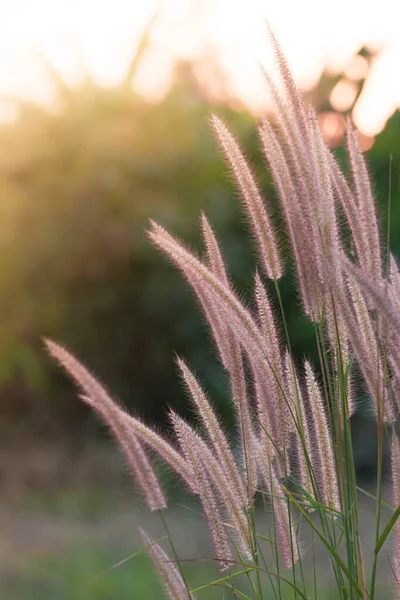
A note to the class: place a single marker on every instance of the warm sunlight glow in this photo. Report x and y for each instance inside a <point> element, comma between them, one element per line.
<point>99,38</point>
<point>357,68</point>
<point>332,126</point>
<point>381,95</point>
<point>366,141</point>
<point>343,95</point>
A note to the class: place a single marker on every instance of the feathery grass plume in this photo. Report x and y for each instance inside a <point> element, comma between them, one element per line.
<point>244,420</point>
<point>230,349</point>
<point>342,367</point>
<point>137,459</point>
<point>365,324</point>
<point>366,206</point>
<point>324,203</point>
<point>394,291</point>
<point>290,114</point>
<point>292,194</point>
<point>297,159</point>
<point>114,417</point>
<point>269,429</point>
<point>320,198</point>
<point>218,326</point>
<point>214,431</point>
<point>340,350</point>
<point>260,221</point>
<point>394,280</point>
<point>395,476</point>
<point>269,403</point>
<point>304,445</point>
<point>214,255</point>
<point>169,575</point>
<point>288,542</point>
<point>207,496</point>
<point>198,274</point>
<point>268,328</point>
<point>227,301</point>
<point>219,329</point>
<point>326,473</point>
<point>292,93</point>
<point>230,353</point>
<point>348,202</point>
<point>308,204</point>
<point>264,463</point>
<point>352,320</point>
<point>150,438</point>
<point>97,397</point>
<point>283,519</point>
<point>242,324</point>
<point>195,447</point>
<point>393,334</point>
<point>380,296</point>
<point>275,417</point>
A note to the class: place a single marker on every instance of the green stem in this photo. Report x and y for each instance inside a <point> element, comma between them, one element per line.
<point>177,561</point>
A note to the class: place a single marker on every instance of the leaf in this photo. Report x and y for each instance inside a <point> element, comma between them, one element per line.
<point>387,529</point>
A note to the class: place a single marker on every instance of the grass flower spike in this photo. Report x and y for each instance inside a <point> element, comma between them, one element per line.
<point>167,571</point>
<point>97,397</point>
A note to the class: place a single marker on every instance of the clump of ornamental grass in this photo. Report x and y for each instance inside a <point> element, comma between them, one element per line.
<point>294,425</point>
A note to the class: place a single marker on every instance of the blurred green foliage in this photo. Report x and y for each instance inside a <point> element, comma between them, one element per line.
<point>89,575</point>
<point>78,187</point>
<point>77,191</point>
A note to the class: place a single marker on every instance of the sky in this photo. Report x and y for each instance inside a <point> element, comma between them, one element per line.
<point>99,36</point>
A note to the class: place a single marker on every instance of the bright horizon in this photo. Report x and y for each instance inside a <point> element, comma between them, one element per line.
<point>100,37</point>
